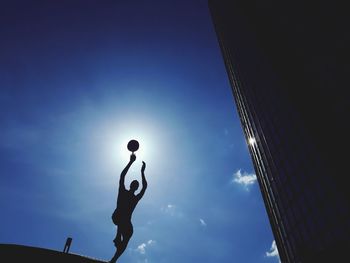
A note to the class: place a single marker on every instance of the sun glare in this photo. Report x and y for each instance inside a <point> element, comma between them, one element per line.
<point>252,141</point>
<point>123,154</point>
<point>115,154</point>
<point>119,138</point>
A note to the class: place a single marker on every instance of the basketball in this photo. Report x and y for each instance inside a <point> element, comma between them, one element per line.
<point>133,145</point>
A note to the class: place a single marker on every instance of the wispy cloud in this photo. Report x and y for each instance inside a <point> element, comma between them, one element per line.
<point>172,210</point>
<point>245,179</point>
<point>142,248</point>
<point>203,223</point>
<point>273,252</point>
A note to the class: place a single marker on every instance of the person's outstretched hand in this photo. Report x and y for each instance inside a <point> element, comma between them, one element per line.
<point>132,158</point>
<point>143,166</point>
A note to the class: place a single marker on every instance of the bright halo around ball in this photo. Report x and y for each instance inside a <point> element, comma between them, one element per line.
<point>144,151</point>
<point>115,154</point>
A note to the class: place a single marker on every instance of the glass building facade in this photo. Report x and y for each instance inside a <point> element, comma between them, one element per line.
<point>289,76</point>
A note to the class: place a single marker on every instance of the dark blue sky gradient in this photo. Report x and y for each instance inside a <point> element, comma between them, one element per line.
<point>75,78</point>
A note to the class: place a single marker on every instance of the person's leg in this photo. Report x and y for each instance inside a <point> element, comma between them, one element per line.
<point>117,241</point>
<point>121,246</point>
<point>114,258</point>
<point>118,237</point>
<point>126,233</point>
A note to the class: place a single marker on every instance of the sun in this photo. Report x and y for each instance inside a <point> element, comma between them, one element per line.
<point>145,134</point>
<point>113,140</point>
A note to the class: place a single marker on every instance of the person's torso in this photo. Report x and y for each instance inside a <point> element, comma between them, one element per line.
<point>126,204</point>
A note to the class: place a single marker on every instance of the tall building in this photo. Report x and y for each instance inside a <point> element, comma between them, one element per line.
<point>289,72</point>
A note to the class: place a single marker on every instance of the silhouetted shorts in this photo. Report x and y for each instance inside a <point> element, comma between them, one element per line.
<point>115,217</point>
<point>124,225</point>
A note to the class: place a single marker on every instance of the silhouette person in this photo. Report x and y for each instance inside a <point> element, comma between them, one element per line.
<point>126,203</point>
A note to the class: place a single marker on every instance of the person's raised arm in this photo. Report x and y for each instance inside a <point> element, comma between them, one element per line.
<point>144,182</point>
<point>125,170</point>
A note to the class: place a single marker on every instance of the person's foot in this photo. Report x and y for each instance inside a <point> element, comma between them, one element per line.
<point>114,258</point>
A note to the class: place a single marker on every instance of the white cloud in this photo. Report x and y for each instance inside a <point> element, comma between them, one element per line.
<point>151,242</point>
<point>203,223</point>
<point>244,178</point>
<point>142,248</point>
<point>273,252</point>
<point>172,210</point>
<point>169,209</point>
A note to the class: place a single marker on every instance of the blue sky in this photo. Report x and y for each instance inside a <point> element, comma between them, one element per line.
<point>78,79</point>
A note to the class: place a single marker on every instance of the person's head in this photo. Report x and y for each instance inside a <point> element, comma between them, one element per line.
<point>134,186</point>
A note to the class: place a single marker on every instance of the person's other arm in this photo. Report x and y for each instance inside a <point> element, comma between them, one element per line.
<point>144,182</point>
<point>124,172</point>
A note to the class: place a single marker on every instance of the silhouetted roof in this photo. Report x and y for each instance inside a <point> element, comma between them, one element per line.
<point>20,253</point>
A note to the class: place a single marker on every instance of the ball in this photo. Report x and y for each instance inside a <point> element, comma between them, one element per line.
<point>133,145</point>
